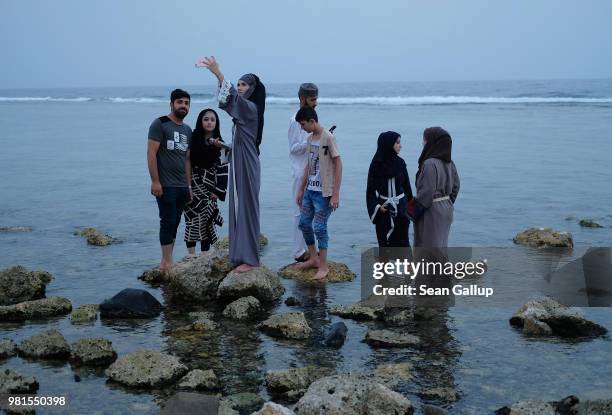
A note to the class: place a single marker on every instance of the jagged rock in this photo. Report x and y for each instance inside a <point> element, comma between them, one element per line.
<point>351,394</point>
<point>225,408</point>
<point>392,373</point>
<point>292,302</point>
<point>131,303</point>
<point>336,335</point>
<point>398,317</point>
<point>36,309</point>
<point>224,243</point>
<point>17,285</point>
<point>260,283</point>
<point>588,223</point>
<point>388,338</point>
<point>529,407</point>
<point>95,237</point>
<point>244,308</point>
<point>338,272</point>
<point>196,279</point>
<point>203,324</point>
<point>358,312</point>
<point>199,380</point>
<point>271,408</point>
<point>562,321</point>
<point>8,348</point>
<point>288,325</point>
<point>544,238</point>
<point>291,384</point>
<point>154,276</point>
<point>15,229</point>
<point>85,313</point>
<point>434,410</point>
<point>13,382</point>
<point>146,368</point>
<point>440,394</point>
<point>244,403</point>
<point>94,351</point>
<point>570,405</point>
<point>49,344</point>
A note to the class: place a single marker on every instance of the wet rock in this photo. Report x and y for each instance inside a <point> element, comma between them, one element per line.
<point>358,312</point>
<point>13,382</point>
<point>271,408</point>
<point>398,317</point>
<point>199,380</point>
<point>203,324</point>
<point>336,335</point>
<point>197,279</point>
<point>225,408</point>
<point>434,410</point>
<point>95,351</point>
<point>570,405</point>
<point>440,394</point>
<point>563,321</point>
<point>17,285</point>
<point>260,283</point>
<point>529,407</point>
<point>544,238</point>
<point>391,374</point>
<point>154,276</point>
<point>289,325</point>
<point>594,407</point>
<point>291,384</point>
<point>146,368</point>
<point>245,308</point>
<point>292,302</point>
<point>95,237</point>
<point>49,344</point>
<point>338,272</point>
<point>388,338</point>
<point>8,348</point>
<point>588,223</point>
<point>85,313</point>
<point>351,394</point>
<point>15,229</point>
<point>224,243</point>
<point>189,403</point>
<point>131,303</point>
<point>245,403</point>
<point>36,309</point>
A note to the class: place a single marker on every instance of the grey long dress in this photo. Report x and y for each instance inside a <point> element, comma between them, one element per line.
<point>244,178</point>
<point>437,179</point>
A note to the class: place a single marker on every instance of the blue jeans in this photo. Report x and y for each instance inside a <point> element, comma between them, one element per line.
<point>317,209</point>
<point>171,205</point>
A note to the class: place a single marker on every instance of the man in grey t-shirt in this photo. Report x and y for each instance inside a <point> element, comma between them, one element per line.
<point>170,170</point>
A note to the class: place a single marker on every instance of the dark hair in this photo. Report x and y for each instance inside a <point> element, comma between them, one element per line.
<point>203,154</point>
<point>308,89</point>
<point>306,114</point>
<point>178,94</point>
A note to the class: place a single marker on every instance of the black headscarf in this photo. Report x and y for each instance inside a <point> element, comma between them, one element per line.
<point>386,162</point>
<point>257,95</point>
<point>438,145</point>
<point>203,154</point>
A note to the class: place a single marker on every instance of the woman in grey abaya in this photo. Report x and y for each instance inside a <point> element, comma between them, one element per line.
<point>437,186</point>
<point>246,105</point>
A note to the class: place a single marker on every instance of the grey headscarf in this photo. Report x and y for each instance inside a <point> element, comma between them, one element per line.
<point>257,95</point>
<point>251,80</point>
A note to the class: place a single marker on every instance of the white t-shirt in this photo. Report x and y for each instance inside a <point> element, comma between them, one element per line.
<point>298,142</point>
<point>314,173</point>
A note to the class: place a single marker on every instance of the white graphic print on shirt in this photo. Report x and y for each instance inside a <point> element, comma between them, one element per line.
<point>314,173</point>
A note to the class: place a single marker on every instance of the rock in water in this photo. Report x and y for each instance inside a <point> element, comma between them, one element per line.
<point>338,272</point>
<point>292,302</point>
<point>291,384</point>
<point>17,285</point>
<point>288,326</point>
<point>49,344</point>
<point>588,223</point>
<point>8,348</point>
<point>15,229</point>
<point>197,279</point>
<point>36,309</point>
<point>131,303</point>
<point>245,403</point>
<point>245,308</point>
<point>545,316</point>
<point>146,368</point>
<point>336,335</point>
<point>224,243</point>
<point>351,394</point>
<point>95,237</point>
<point>544,238</point>
<point>199,380</point>
<point>271,408</point>
<point>358,312</point>
<point>86,313</point>
<point>94,351</point>
<point>13,382</point>
<point>189,403</point>
<point>388,338</point>
<point>260,283</point>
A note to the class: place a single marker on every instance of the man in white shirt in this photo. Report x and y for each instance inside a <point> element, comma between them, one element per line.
<point>298,157</point>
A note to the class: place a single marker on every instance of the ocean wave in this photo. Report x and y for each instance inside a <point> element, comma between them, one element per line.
<point>152,100</point>
<point>44,99</point>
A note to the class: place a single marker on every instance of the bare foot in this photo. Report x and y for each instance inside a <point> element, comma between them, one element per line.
<point>311,263</point>
<point>304,257</point>
<point>321,274</point>
<point>244,268</point>
<point>165,266</point>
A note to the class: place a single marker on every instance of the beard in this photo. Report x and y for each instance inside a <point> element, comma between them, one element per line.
<point>180,113</point>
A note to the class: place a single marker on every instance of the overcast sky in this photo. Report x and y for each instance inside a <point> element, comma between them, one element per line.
<point>63,43</point>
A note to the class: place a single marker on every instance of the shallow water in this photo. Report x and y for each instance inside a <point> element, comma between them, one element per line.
<point>70,164</point>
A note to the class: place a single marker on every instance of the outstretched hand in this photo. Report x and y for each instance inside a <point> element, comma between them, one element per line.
<point>209,63</point>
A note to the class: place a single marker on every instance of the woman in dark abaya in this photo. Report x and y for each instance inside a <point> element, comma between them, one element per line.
<point>209,175</point>
<point>246,105</point>
<point>388,192</point>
